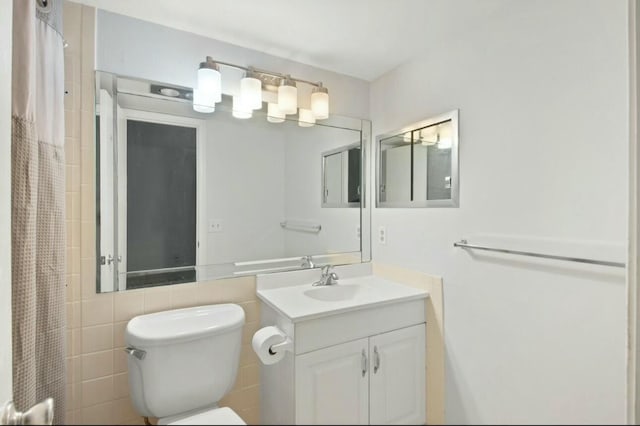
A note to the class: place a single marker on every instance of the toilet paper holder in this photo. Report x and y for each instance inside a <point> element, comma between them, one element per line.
<point>287,345</point>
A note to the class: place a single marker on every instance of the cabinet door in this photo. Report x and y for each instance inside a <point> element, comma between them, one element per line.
<point>397,377</point>
<point>332,385</point>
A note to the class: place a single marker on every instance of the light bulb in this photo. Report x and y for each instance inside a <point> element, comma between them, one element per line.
<point>320,102</point>
<point>251,91</point>
<point>274,115</point>
<point>210,81</point>
<point>306,118</point>
<point>201,104</point>
<point>288,96</point>
<point>429,135</point>
<point>445,140</point>
<point>240,110</point>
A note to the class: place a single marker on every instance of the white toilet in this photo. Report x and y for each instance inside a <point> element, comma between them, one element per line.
<point>182,362</point>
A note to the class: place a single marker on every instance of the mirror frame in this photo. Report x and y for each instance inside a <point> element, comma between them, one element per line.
<point>324,155</point>
<point>454,201</point>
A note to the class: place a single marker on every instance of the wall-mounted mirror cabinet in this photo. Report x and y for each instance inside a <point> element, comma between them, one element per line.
<point>417,166</point>
<point>184,196</point>
<point>341,171</point>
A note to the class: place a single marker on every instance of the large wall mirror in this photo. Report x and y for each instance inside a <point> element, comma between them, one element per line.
<point>184,196</point>
<point>417,166</point>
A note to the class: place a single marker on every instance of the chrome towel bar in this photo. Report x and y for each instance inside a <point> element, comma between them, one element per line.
<point>465,244</point>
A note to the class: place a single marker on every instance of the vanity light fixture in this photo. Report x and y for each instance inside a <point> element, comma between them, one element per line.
<point>288,96</point>
<point>251,90</point>
<point>240,109</point>
<point>250,97</point>
<point>209,82</point>
<point>320,102</point>
<point>274,115</point>
<point>202,103</point>
<point>429,135</point>
<point>444,136</point>
<point>306,118</point>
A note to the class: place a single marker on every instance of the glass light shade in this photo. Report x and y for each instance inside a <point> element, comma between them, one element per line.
<point>274,115</point>
<point>320,105</point>
<point>201,103</point>
<point>240,109</point>
<point>288,99</point>
<point>251,92</point>
<point>306,118</point>
<point>444,136</point>
<point>210,83</point>
<point>429,135</point>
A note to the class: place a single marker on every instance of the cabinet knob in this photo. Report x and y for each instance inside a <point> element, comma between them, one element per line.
<point>376,360</point>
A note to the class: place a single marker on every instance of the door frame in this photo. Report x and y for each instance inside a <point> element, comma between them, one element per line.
<point>125,114</point>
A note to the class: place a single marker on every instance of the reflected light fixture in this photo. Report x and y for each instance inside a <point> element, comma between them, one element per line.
<point>201,103</point>
<point>429,135</point>
<point>306,118</point>
<point>320,102</point>
<point>444,136</point>
<point>288,96</point>
<point>251,90</point>
<point>240,109</point>
<point>274,115</point>
<point>282,87</point>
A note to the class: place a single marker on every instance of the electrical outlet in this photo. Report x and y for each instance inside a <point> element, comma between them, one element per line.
<point>358,231</point>
<point>382,235</point>
<point>215,225</point>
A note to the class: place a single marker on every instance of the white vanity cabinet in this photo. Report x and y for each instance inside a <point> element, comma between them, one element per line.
<point>376,380</point>
<point>354,359</point>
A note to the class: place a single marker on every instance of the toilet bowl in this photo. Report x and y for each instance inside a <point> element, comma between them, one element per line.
<point>183,362</point>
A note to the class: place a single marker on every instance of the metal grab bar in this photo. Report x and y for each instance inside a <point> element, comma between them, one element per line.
<point>465,244</point>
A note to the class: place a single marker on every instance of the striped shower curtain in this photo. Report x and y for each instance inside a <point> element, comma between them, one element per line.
<point>38,205</point>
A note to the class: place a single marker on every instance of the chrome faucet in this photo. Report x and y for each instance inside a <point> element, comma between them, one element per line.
<point>307,262</point>
<point>327,277</point>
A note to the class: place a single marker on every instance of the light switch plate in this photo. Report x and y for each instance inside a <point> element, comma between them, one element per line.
<point>215,225</point>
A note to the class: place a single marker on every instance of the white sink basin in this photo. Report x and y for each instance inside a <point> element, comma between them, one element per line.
<point>302,301</point>
<point>333,293</point>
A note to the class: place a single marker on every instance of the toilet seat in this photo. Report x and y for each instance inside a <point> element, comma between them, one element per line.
<point>214,416</point>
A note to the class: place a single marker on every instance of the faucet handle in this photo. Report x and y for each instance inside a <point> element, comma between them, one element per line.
<point>307,262</point>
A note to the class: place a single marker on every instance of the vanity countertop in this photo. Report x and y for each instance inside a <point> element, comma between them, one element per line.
<point>304,302</point>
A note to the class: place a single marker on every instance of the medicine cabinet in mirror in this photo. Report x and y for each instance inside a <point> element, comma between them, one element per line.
<point>184,196</point>
<point>417,166</point>
<point>341,173</point>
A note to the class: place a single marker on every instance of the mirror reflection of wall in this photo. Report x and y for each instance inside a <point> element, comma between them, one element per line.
<point>418,165</point>
<point>341,176</point>
<point>185,196</point>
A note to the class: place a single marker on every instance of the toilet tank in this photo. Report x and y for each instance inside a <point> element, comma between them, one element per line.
<point>190,360</point>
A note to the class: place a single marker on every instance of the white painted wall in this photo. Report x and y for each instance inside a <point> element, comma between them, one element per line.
<point>169,55</point>
<point>542,89</point>
<point>243,169</point>
<point>303,189</point>
<point>6,20</point>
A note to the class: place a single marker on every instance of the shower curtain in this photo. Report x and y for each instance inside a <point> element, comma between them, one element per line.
<point>38,205</point>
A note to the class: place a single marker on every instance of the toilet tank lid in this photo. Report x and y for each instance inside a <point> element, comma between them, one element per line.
<point>185,324</point>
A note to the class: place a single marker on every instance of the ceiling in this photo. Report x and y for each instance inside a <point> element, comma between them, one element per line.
<point>360,38</point>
